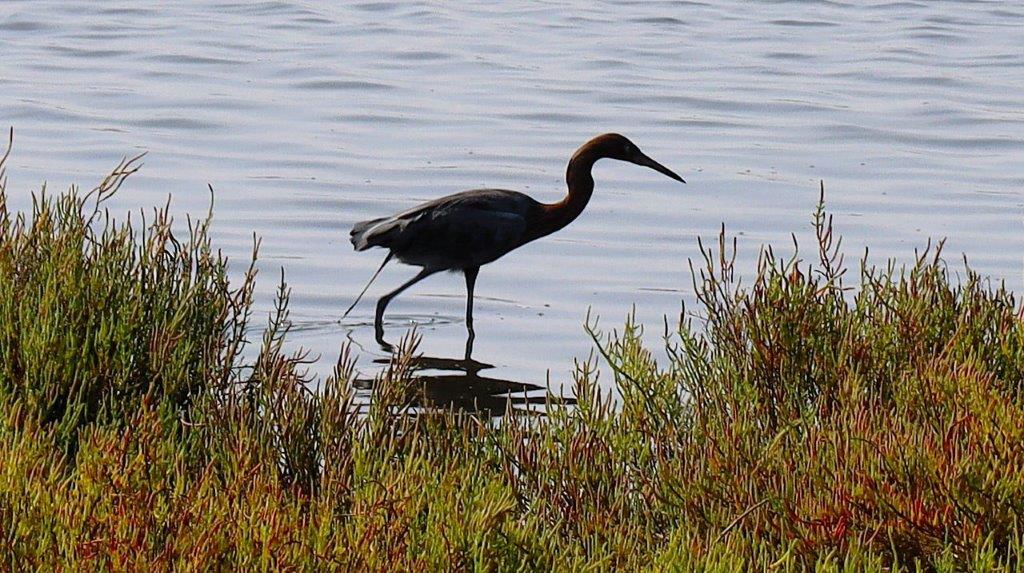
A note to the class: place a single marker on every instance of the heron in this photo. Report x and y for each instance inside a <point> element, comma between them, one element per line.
<point>464,231</point>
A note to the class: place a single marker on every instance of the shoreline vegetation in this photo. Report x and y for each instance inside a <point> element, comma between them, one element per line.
<point>812,418</point>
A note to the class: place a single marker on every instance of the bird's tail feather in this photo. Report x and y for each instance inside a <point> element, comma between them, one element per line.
<point>365,288</point>
<point>359,233</point>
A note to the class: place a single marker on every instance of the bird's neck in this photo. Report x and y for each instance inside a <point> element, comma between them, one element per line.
<point>581,186</point>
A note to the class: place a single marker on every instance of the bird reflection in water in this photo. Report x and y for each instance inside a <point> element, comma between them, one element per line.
<point>457,384</point>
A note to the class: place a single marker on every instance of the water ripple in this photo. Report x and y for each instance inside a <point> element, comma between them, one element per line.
<point>342,85</point>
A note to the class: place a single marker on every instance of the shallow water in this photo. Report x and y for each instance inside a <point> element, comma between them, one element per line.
<point>307,119</point>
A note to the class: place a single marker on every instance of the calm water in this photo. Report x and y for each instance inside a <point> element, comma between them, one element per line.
<point>307,119</point>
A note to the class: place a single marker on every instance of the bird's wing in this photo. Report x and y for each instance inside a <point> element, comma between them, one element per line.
<point>464,234</point>
<point>498,214</point>
<point>498,200</point>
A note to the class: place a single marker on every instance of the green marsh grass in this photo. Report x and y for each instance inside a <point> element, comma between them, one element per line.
<point>813,418</point>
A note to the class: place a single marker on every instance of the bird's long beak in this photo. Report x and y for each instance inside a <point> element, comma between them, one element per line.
<point>648,162</point>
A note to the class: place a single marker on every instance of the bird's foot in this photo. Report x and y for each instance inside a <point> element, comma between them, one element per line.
<point>385,345</point>
<point>378,335</point>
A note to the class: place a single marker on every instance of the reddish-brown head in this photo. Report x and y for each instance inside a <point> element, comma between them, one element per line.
<point>615,146</point>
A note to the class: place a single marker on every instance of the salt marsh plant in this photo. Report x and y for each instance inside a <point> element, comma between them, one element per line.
<point>807,420</point>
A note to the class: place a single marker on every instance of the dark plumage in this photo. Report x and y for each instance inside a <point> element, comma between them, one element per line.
<point>464,231</point>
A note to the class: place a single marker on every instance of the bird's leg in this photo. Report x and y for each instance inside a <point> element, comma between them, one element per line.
<point>378,322</point>
<point>471,273</point>
<point>373,278</point>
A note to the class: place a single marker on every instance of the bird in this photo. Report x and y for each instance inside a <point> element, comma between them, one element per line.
<point>464,231</point>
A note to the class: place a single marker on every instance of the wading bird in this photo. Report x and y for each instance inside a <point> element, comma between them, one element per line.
<point>463,231</point>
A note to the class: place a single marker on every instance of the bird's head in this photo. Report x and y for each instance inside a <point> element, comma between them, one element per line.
<point>615,146</point>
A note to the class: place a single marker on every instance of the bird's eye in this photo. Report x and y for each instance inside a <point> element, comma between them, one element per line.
<point>629,149</point>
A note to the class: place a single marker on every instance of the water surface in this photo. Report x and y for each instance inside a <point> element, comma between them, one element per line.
<point>306,119</point>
